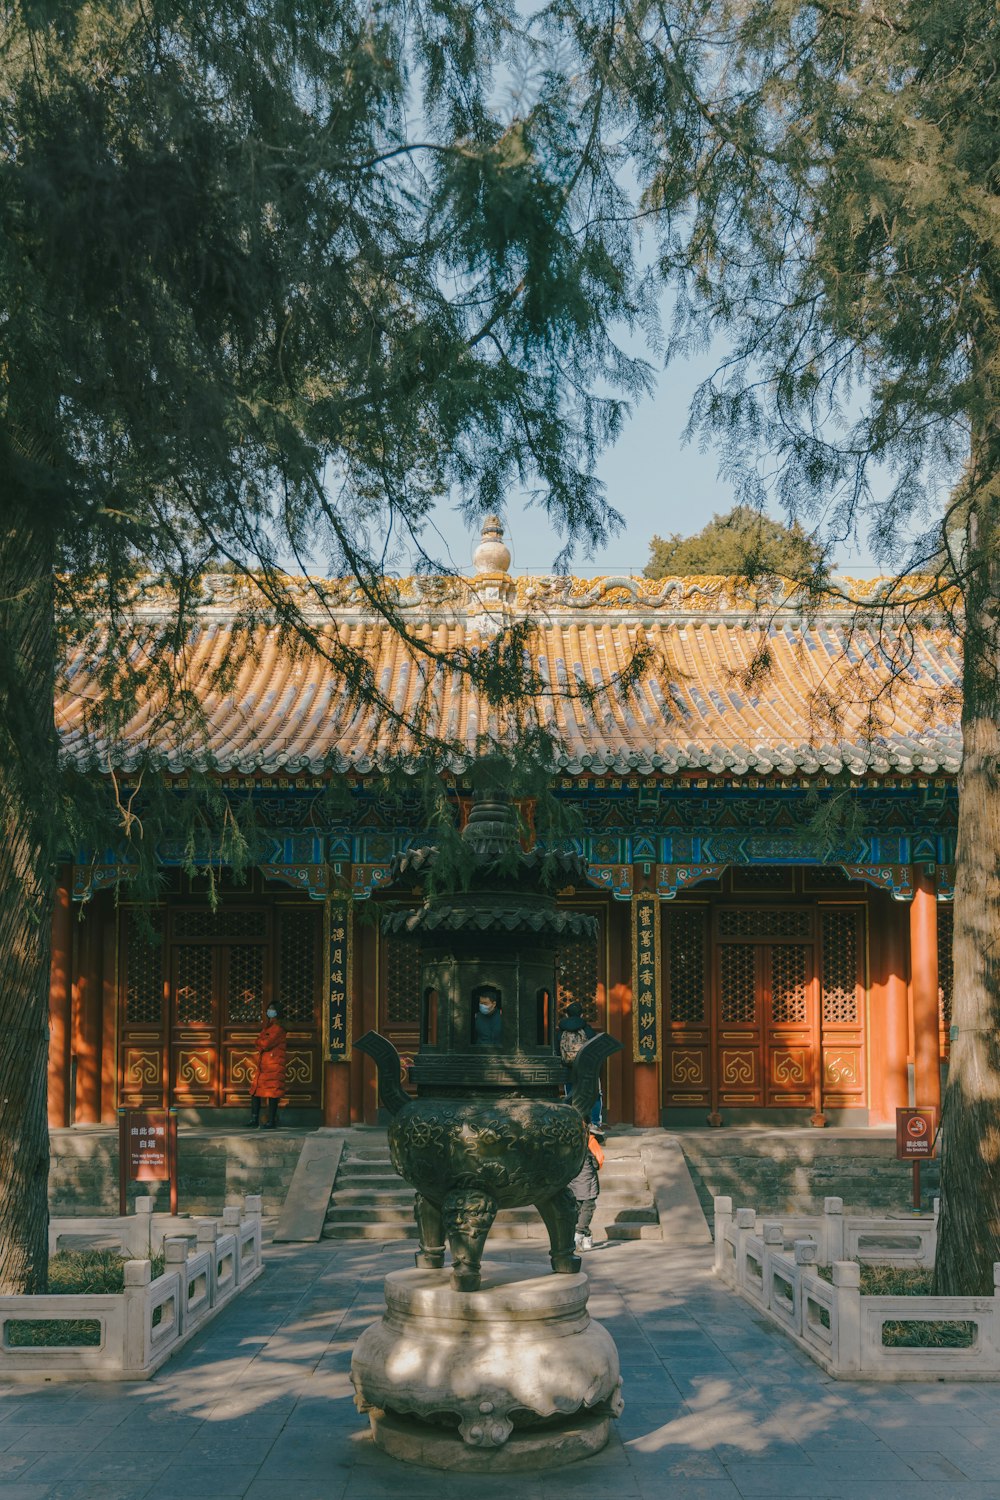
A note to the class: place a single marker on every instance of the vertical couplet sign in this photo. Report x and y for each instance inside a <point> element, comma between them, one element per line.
<point>147,1150</point>
<point>915,1137</point>
<point>338,980</point>
<point>645,978</point>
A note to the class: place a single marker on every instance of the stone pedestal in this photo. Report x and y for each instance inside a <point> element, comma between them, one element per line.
<point>513,1376</point>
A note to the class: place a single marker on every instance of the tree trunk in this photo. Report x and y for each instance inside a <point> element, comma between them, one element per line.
<point>969,1229</point>
<point>27,804</point>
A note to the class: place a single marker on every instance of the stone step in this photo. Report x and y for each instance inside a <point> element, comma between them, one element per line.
<point>400,1192</point>
<point>371,1202</point>
<point>357,1231</point>
<point>352,1214</point>
<point>382,1177</point>
<point>630,1215</point>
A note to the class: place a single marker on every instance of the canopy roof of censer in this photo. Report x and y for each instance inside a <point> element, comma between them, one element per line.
<point>509,889</point>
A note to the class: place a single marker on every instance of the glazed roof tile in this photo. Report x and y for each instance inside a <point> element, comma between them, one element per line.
<point>829,698</point>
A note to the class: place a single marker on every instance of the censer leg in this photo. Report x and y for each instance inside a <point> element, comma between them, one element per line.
<point>430,1227</point>
<point>468,1217</point>
<point>559,1217</point>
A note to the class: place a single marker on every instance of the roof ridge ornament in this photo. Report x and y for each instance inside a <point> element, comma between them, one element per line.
<point>492,555</point>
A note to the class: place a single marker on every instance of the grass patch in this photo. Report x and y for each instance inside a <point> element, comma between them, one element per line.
<point>889,1281</point>
<point>75,1272</point>
<point>925,1333</point>
<point>909,1333</point>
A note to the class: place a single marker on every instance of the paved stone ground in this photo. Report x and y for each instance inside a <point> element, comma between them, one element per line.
<point>718,1406</point>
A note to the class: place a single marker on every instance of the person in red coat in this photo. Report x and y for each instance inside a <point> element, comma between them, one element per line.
<point>269,1079</point>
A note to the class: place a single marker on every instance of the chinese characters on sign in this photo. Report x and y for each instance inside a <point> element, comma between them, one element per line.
<point>147,1146</point>
<point>147,1151</point>
<point>338,981</point>
<point>645,978</point>
<point>915,1134</point>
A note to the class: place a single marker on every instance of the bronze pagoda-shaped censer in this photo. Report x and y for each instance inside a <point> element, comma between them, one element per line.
<point>488,1128</point>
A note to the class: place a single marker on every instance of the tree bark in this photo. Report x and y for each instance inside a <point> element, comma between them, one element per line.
<point>969,1228</point>
<point>27,805</point>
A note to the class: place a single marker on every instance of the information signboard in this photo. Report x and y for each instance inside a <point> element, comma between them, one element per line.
<point>915,1134</point>
<point>147,1150</point>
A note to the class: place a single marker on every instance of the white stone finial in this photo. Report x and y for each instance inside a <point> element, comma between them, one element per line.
<point>492,555</point>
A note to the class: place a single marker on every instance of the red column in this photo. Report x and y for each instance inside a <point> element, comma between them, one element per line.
<point>647,1094</point>
<point>924,979</point>
<point>60,1003</point>
<point>87,1020</point>
<point>888,1032</point>
<point>109,1021</point>
<point>337,1094</point>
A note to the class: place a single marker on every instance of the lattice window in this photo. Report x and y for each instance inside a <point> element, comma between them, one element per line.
<point>194,986</point>
<point>737,984</point>
<point>839,937</point>
<point>297,955</point>
<point>143,975</point>
<point>578,978</point>
<point>686,963</point>
<point>238,922</point>
<point>789,1000</point>
<point>946,965</point>
<point>763,878</point>
<point>402,981</point>
<point>245,990</point>
<point>764,921</point>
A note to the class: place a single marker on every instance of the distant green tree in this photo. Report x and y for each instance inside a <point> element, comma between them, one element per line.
<point>743,543</point>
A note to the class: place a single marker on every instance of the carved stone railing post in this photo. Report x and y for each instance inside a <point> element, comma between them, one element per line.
<point>847,1281</point>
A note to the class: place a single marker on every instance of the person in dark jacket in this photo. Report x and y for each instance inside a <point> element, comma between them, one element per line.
<point>487,1022</point>
<point>585,1188</point>
<point>574,1033</point>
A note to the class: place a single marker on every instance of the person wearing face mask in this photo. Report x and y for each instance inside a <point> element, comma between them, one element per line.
<point>269,1080</point>
<point>487,1023</point>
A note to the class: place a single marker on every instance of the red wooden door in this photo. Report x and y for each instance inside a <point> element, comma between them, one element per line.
<point>766,1008</point>
<point>193,998</point>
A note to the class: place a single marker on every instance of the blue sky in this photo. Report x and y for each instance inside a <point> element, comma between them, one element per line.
<point>657,482</point>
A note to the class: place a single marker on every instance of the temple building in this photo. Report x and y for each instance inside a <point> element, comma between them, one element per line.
<point>767,818</point>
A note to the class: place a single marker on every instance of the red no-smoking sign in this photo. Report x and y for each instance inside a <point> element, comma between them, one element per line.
<point>915,1132</point>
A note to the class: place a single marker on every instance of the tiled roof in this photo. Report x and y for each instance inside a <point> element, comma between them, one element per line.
<point>827,699</point>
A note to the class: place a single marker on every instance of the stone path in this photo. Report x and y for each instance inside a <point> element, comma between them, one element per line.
<point>718,1406</point>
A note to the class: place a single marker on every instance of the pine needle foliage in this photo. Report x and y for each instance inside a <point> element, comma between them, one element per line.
<point>276,277</point>
<point>822,181</point>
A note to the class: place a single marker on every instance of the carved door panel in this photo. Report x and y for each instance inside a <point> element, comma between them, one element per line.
<point>766,1009</point>
<point>842,1001</point>
<point>739,1025</point>
<point>244,993</point>
<point>194,1051</point>
<point>298,985</point>
<point>142,1009</point>
<point>687,1068</point>
<point>791,1039</point>
<point>581,971</point>
<point>400,1005</point>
